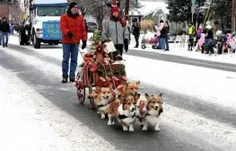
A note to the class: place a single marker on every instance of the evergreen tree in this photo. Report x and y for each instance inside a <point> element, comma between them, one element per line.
<point>180,10</point>
<point>96,39</point>
<point>222,11</point>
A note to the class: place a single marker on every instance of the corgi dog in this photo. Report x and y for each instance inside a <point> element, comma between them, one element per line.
<point>153,111</point>
<point>103,97</point>
<point>129,88</point>
<point>124,111</point>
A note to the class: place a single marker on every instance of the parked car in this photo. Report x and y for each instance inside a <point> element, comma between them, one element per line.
<point>92,26</point>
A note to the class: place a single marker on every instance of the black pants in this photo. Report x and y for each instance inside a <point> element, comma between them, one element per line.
<point>190,43</point>
<point>209,46</point>
<point>167,43</point>
<point>119,48</point>
<point>137,40</point>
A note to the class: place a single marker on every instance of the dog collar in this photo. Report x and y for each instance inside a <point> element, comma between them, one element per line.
<point>101,106</point>
<point>124,116</point>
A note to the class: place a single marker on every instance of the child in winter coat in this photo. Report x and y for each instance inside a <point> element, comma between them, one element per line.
<point>201,41</point>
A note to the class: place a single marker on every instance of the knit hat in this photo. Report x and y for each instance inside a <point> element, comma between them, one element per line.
<point>115,9</point>
<point>72,4</point>
<point>208,27</point>
<point>114,3</point>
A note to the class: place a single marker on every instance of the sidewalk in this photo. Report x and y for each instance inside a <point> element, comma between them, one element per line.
<point>176,50</point>
<point>29,122</point>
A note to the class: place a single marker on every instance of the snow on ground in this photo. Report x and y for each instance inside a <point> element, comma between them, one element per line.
<point>167,75</point>
<point>30,122</point>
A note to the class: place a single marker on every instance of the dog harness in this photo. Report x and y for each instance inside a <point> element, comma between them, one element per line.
<point>121,117</point>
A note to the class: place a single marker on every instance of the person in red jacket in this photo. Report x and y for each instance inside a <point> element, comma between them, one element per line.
<point>73,30</point>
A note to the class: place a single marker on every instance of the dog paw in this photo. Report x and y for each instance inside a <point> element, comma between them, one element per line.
<point>102,116</point>
<point>125,128</point>
<point>131,129</point>
<point>113,123</point>
<point>157,129</point>
<point>109,123</point>
<point>144,128</point>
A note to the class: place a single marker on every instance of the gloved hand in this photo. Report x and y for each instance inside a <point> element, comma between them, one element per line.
<point>84,44</point>
<point>70,34</point>
<point>126,45</point>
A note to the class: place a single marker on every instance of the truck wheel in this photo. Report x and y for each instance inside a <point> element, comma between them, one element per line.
<point>36,42</point>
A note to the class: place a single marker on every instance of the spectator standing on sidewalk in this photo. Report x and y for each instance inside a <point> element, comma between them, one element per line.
<point>5,29</point>
<point>0,31</point>
<point>191,34</point>
<point>198,36</point>
<point>167,28</point>
<point>136,32</point>
<point>158,33</point>
<point>209,39</point>
<point>73,31</point>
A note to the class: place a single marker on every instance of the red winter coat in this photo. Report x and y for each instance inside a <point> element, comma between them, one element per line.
<point>76,25</point>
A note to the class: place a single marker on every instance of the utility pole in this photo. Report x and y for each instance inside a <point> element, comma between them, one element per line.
<point>233,15</point>
<point>127,7</point>
<point>208,13</point>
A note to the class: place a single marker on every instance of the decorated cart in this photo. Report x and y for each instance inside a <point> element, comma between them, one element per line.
<point>98,71</point>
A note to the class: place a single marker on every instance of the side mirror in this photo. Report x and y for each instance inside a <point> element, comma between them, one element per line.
<point>83,11</point>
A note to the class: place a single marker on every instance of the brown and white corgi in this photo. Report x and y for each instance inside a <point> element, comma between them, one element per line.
<point>125,113</point>
<point>153,111</point>
<point>129,88</point>
<point>103,97</point>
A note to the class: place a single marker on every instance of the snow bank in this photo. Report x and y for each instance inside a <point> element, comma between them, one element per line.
<point>29,122</point>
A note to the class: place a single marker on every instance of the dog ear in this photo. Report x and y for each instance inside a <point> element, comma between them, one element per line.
<point>137,96</point>
<point>121,98</point>
<point>147,96</point>
<point>138,82</point>
<point>160,95</point>
<point>110,88</point>
<point>160,111</point>
<point>98,89</point>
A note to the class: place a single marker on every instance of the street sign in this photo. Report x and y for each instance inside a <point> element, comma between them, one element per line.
<point>193,1</point>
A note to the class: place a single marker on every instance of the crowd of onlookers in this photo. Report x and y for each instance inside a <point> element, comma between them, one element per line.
<point>205,40</point>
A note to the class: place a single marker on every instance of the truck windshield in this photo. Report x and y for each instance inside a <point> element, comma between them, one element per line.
<point>50,11</point>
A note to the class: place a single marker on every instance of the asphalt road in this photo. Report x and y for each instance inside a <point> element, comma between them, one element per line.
<point>169,139</point>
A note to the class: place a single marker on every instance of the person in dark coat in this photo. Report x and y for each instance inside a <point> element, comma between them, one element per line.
<point>209,40</point>
<point>167,28</point>
<point>5,30</point>
<point>164,37</point>
<point>0,32</point>
<point>136,32</point>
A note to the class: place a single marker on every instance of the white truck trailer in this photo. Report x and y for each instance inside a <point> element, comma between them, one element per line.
<point>42,23</point>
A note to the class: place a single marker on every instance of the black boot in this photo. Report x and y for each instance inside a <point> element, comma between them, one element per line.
<point>72,79</point>
<point>64,80</point>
